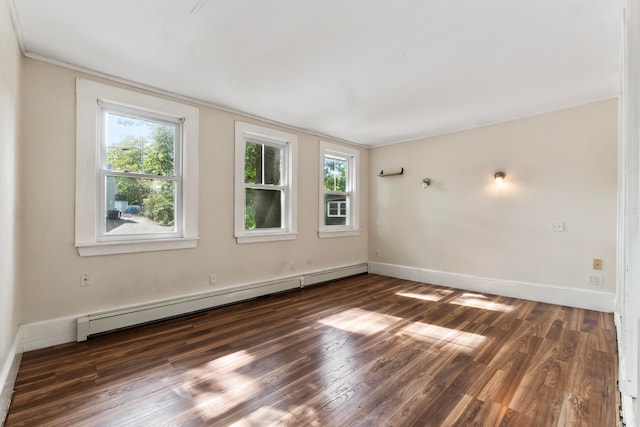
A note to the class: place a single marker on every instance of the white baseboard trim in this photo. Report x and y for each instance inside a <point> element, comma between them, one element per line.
<point>62,330</point>
<point>8,375</point>
<point>48,333</point>
<point>329,274</point>
<point>111,320</point>
<point>572,297</point>
<point>627,388</point>
<point>628,411</point>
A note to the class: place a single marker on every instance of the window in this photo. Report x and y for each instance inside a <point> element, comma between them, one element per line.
<point>337,209</point>
<point>338,195</point>
<point>141,181</point>
<point>136,172</point>
<point>265,208</point>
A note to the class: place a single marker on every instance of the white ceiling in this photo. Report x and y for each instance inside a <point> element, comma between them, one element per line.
<point>367,71</point>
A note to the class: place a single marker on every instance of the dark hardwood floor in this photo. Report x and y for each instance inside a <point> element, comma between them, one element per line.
<point>364,351</point>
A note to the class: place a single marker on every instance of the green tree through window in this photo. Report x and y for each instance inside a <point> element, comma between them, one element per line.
<point>148,148</point>
<point>263,168</point>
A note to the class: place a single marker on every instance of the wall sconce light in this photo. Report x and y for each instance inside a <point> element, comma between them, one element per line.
<point>499,176</point>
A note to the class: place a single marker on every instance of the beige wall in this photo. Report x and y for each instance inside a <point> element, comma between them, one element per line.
<point>10,71</point>
<point>560,166</point>
<point>51,264</point>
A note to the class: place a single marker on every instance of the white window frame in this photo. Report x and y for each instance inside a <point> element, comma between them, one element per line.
<point>105,108</point>
<point>352,156</point>
<point>247,132</point>
<point>90,240</point>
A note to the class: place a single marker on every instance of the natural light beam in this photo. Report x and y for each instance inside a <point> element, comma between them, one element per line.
<point>216,387</point>
<point>263,416</point>
<point>360,321</point>
<point>445,338</point>
<point>433,296</point>
<point>480,301</point>
<point>266,415</point>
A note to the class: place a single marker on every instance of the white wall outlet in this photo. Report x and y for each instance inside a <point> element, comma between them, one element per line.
<point>556,226</point>
<point>292,266</point>
<point>594,278</point>
<point>84,280</point>
<point>212,279</point>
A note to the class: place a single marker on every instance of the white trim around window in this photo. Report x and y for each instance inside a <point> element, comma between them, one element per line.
<point>282,183</point>
<point>90,170</point>
<point>344,194</point>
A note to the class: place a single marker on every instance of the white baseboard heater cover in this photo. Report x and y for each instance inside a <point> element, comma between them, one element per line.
<point>332,274</point>
<point>112,320</point>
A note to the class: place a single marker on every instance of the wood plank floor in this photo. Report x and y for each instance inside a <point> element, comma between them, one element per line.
<point>364,351</point>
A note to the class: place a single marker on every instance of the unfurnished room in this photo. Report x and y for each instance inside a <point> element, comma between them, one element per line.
<point>285,213</point>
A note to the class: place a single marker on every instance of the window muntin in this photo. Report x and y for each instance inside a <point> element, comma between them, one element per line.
<point>265,190</point>
<point>338,196</point>
<point>140,186</point>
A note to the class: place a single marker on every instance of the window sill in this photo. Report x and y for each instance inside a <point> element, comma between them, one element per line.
<point>326,234</point>
<point>126,247</point>
<point>256,238</point>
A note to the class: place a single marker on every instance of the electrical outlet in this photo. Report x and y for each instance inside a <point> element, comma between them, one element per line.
<point>377,252</point>
<point>594,278</point>
<point>556,226</point>
<point>84,280</point>
<point>292,266</point>
<point>597,264</point>
<point>212,279</point>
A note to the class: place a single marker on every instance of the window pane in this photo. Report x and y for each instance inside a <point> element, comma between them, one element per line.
<point>252,163</point>
<point>136,145</point>
<point>135,206</point>
<point>124,143</point>
<point>272,165</point>
<point>262,164</point>
<point>335,211</point>
<point>159,148</point>
<point>263,209</point>
<point>335,174</point>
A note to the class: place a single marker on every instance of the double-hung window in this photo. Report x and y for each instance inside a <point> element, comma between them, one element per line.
<point>140,174</point>
<point>136,172</point>
<point>265,207</point>
<point>338,196</point>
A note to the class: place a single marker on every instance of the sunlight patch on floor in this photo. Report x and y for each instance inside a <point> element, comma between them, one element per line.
<point>480,301</point>
<point>231,361</point>
<point>216,387</point>
<point>267,415</point>
<point>429,294</point>
<point>444,338</point>
<point>360,321</point>
<point>263,416</point>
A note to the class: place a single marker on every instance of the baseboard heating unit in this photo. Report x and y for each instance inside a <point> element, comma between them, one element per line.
<point>112,320</point>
